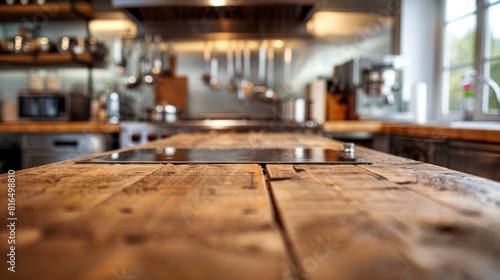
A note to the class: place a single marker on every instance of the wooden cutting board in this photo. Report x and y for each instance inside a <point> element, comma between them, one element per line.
<point>174,90</point>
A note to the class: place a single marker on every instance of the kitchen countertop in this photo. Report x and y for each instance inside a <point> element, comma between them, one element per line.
<point>395,219</point>
<point>58,127</point>
<point>443,131</point>
<point>432,130</point>
<point>435,130</point>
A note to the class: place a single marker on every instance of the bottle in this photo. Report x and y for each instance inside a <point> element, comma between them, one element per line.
<point>113,107</point>
<point>111,100</point>
<point>468,102</point>
<point>102,112</point>
<point>53,82</point>
<point>35,80</point>
<point>95,108</point>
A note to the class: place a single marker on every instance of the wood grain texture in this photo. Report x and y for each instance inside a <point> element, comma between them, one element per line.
<point>395,219</point>
<point>155,221</point>
<point>47,59</point>
<point>437,132</point>
<point>56,10</point>
<point>58,127</point>
<point>353,126</point>
<point>173,90</point>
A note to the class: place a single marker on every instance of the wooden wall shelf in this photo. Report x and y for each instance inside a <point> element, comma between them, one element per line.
<point>59,11</point>
<point>47,59</point>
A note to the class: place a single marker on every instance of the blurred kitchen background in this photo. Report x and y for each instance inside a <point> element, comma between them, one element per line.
<point>319,34</point>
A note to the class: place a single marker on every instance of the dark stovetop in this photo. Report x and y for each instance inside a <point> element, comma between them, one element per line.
<point>234,156</point>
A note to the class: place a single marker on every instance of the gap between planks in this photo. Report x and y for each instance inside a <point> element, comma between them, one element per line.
<point>287,240</point>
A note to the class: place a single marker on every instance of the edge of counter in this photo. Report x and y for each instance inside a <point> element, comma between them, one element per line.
<point>440,131</point>
<point>58,127</point>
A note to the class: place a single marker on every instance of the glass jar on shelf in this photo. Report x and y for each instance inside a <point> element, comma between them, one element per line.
<point>35,80</point>
<point>53,82</point>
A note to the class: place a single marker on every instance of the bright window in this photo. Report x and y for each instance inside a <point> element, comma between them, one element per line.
<point>459,50</point>
<point>471,41</point>
<point>491,62</point>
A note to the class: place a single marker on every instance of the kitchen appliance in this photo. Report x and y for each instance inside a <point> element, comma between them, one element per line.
<point>164,112</point>
<point>51,106</point>
<point>39,149</point>
<point>44,105</point>
<point>135,133</point>
<point>200,17</point>
<point>297,155</point>
<point>292,109</point>
<point>374,86</point>
<point>316,96</point>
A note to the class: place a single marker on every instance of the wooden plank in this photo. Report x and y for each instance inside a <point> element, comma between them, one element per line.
<point>437,132</point>
<point>353,126</point>
<point>157,221</point>
<point>345,222</point>
<point>58,193</point>
<point>395,219</point>
<point>57,10</point>
<point>441,132</point>
<point>48,59</point>
<point>58,127</point>
<point>463,193</point>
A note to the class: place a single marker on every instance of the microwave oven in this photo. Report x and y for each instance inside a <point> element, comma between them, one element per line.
<point>43,106</point>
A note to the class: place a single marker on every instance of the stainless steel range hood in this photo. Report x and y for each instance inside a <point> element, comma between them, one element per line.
<point>232,19</point>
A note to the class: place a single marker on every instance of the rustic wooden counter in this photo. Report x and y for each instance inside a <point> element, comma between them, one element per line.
<point>395,219</point>
<point>435,131</point>
<point>58,127</point>
<point>426,130</point>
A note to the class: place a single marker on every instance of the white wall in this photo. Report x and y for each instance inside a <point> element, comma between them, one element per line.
<point>419,33</point>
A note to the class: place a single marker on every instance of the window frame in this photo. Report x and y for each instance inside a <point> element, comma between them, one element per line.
<point>479,64</point>
<point>486,59</point>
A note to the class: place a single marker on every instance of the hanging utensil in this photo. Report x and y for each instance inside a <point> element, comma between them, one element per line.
<point>205,78</point>
<point>260,88</point>
<point>165,59</point>
<point>246,88</point>
<point>133,67</point>
<point>118,58</point>
<point>287,68</point>
<point>147,60</point>
<point>270,94</point>
<point>214,71</point>
<point>290,108</point>
<point>231,83</point>
<point>238,63</point>
<point>156,55</point>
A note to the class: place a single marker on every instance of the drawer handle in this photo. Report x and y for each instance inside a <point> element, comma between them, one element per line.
<point>65,143</point>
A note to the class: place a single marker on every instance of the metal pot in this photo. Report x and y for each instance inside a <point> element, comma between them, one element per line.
<point>164,113</point>
<point>294,110</point>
